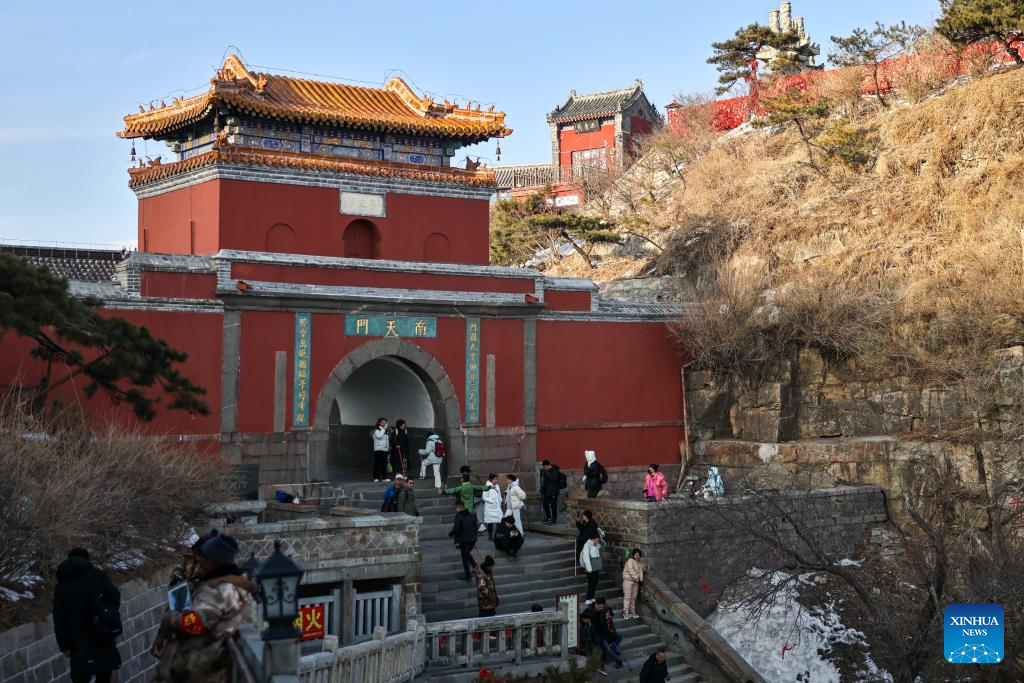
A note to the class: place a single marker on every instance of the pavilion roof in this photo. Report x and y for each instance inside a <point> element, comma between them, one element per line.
<point>394,108</point>
<point>598,104</point>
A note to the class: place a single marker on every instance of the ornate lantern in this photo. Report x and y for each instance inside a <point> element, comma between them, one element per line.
<point>279,578</point>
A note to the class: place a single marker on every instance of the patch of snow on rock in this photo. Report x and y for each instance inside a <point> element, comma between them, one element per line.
<point>787,642</point>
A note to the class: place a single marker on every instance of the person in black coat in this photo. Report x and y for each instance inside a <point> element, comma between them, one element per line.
<point>80,586</point>
<point>464,534</point>
<point>507,538</point>
<point>587,527</point>
<point>656,667</point>
<point>595,476</point>
<point>401,444</point>
<point>550,476</point>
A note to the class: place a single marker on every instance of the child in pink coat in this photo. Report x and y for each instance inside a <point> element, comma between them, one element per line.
<point>655,486</point>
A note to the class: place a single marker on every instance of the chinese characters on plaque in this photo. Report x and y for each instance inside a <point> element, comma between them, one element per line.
<point>390,326</point>
<point>472,371</point>
<point>303,340</point>
<point>311,621</point>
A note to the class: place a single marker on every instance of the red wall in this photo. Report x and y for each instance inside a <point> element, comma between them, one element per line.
<point>234,214</point>
<point>607,373</point>
<point>166,221</point>
<point>570,141</point>
<point>370,278</point>
<point>178,285</point>
<point>503,338</point>
<point>198,334</point>
<point>567,300</point>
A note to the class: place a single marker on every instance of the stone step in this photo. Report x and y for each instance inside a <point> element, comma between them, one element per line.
<point>441,566</point>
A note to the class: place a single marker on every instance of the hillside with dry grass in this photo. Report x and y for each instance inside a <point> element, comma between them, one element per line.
<point>909,265</point>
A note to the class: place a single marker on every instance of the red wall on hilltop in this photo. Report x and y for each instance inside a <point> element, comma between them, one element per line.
<point>235,214</point>
<point>197,334</point>
<point>590,374</point>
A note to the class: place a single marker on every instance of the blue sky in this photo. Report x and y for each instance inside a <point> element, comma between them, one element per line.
<point>69,71</point>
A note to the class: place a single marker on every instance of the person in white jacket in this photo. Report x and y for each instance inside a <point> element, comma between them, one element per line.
<point>515,501</point>
<point>381,450</point>
<point>429,453</point>
<point>492,505</point>
<point>590,560</point>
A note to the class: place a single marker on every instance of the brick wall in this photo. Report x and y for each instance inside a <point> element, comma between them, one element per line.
<point>29,654</point>
<point>342,546</point>
<point>700,547</point>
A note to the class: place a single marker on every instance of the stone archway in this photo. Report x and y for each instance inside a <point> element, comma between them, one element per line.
<point>387,360</point>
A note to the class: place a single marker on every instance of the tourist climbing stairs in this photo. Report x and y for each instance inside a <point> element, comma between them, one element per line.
<point>546,567</point>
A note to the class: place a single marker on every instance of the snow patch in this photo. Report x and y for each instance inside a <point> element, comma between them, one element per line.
<point>767,452</point>
<point>14,596</point>
<point>786,641</point>
<point>847,562</point>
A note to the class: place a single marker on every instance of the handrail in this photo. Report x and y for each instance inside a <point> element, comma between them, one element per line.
<point>467,642</point>
<point>704,637</point>
<point>240,672</point>
<point>384,659</point>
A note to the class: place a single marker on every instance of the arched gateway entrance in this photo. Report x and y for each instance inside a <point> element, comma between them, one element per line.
<point>389,378</point>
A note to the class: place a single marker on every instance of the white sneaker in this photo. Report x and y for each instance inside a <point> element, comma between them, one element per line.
<point>482,528</point>
<point>376,480</point>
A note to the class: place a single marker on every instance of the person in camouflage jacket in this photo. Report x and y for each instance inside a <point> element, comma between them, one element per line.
<point>188,571</point>
<point>197,652</point>
<point>486,593</point>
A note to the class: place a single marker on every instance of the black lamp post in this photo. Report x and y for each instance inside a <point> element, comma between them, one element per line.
<point>279,578</point>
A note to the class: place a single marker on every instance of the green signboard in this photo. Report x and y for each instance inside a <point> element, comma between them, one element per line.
<point>390,326</point>
<point>300,393</point>
<point>472,371</point>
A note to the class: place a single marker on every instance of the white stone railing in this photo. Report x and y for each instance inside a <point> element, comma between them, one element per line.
<point>385,659</point>
<point>506,638</point>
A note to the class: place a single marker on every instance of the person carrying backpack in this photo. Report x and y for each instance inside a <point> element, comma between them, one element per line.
<point>198,652</point>
<point>86,618</point>
<point>552,482</point>
<point>433,454</point>
<point>594,473</point>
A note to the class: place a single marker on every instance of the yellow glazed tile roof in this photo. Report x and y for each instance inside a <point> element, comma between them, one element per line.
<point>222,153</point>
<point>393,108</point>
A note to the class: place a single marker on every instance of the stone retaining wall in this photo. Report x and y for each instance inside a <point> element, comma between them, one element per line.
<point>623,482</point>
<point>699,547</point>
<point>29,654</point>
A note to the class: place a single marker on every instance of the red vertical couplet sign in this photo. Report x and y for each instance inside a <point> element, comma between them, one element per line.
<point>311,622</point>
<point>472,371</point>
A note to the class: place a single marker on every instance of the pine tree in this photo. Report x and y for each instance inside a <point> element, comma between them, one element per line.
<point>871,48</point>
<point>111,354</point>
<point>522,227</point>
<point>964,22</point>
<point>736,58</point>
<point>794,109</point>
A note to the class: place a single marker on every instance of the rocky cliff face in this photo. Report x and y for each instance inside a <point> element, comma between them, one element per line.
<point>817,425</point>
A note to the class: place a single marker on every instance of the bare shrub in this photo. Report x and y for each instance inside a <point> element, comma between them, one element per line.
<point>126,496</point>
<point>930,68</point>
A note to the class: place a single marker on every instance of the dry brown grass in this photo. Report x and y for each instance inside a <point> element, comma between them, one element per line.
<point>123,495</point>
<point>911,267</point>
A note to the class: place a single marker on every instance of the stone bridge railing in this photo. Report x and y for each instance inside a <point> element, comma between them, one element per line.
<point>385,659</point>
<point>508,638</point>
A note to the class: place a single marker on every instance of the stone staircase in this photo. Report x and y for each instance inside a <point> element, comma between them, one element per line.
<point>546,567</point>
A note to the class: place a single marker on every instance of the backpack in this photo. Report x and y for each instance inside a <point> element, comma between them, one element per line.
<point>439,449</point>
<point>563,482</point>
<point>106,618</point>
<point>602,474</point>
